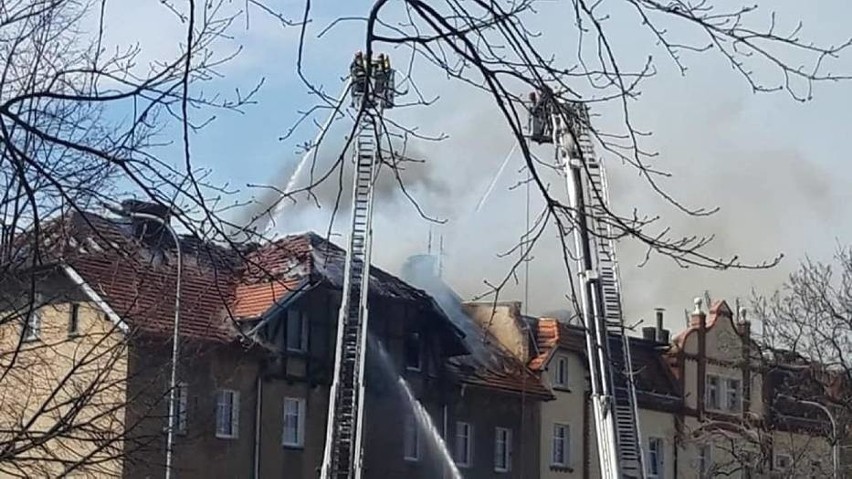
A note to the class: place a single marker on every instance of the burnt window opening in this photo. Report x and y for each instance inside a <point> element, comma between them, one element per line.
<point>74,320</point>
<point>413,352</point>
<point>297,331</point>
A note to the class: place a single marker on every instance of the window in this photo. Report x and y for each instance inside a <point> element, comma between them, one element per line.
<point>412,352</point>
<point>705,460</point>
<point>656,456</point>
<point>74,320</point>
<point>297,331</point>
<point>227,413</point>
<point>294,422</point>
<point>502,449</point>
<point>783,462</point>
<point>713,394</point>
<point>733,396</point>
<point>32,323</point>
<point>559,448</point>
<point>181,392</point>
<point>411,441</point>
<point>464,442</point>
<point>560,375</point>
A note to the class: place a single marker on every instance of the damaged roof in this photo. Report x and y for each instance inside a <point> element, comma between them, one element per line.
<point>308,257</point>
<point>489,364</point>
<point>137,277</point>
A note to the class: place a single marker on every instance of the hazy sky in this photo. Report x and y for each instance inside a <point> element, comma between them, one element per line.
<point>778,169</point>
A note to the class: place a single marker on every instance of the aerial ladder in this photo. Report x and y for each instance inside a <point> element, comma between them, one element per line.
<point>372,91</point>
<point>613,391</point>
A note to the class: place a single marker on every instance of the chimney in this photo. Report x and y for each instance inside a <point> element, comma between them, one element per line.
<point>649,333</point>
<point>662,334</point>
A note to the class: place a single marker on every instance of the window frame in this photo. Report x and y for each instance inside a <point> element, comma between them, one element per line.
<point>32,317</point>
<point>560,373</point>
<point>656,458</point>
<point>301,416</point>
<point>738,406</point>
<point>414,335</point>
<point>74,320</point>
<point>468,444</point>
<point>181,415</point>
<point>717,389</point>
<point>302,346</point>
<point>504,454</point>
<point>411,432</point>
<point>234,419</point>
<point>565,441</point>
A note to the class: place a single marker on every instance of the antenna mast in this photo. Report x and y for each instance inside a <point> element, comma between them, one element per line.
<point>372,89</point>
<point>566,126</point>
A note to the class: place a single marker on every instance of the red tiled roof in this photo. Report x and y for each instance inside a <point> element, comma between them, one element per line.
<point>652,374</point>
<point>551,333</point>
<point>252,300</point>
<point>138,278</point>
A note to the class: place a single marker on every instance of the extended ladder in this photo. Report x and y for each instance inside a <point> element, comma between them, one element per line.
<point>630,450</point>
<point>343,448</point>
<point>610,365</point>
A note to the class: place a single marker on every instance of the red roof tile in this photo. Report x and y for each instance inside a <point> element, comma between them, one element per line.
<point>252,300</point>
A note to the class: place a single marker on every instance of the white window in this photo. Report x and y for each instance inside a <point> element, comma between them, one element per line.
<point>412,352</point>
<point>705,460</point>
<point>502,449</point>
<point>560,446</point>
<point>560,374</point>
<point>733,395</point>
<point>32,323</point>
<point>411,440</point>
<point>227,413</point>
<point>713,395</point>
<point>74,320</point>
<point>656,457</point>
<point>783,462</point>
<point>181,393</point>
<point>294,422</point>
<point>297,331</point>
<point>464,444</point>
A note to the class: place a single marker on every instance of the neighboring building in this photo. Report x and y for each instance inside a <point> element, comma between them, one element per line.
<point>257,335</point>
<point>569,447</point>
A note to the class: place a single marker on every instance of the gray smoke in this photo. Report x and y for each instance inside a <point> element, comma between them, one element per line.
<point>773,196</point>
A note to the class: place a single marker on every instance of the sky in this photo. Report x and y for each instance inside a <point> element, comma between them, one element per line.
<point>777,169</point>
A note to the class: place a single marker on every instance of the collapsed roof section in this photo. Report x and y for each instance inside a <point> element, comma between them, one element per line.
<point>489,363</point>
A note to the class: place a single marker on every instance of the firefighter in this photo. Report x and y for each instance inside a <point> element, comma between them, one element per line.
<point>358,73</point>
